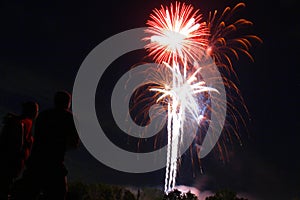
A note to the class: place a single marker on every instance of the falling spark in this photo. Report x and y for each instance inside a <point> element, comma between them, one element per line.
<point>223,44</point>
<point>181,98</point>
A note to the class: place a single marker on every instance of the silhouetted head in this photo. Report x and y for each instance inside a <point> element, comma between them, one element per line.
<point>62,100</point>
<point>30,109</point>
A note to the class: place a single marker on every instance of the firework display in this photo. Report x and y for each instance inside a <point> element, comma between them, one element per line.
<point>179,38</point>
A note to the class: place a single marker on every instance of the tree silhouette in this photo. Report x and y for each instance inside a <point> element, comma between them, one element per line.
<point>128,195</point>
<point>190,196</point>
<point>177,195</point>
<point>224,195</point>
<point>81,191</point>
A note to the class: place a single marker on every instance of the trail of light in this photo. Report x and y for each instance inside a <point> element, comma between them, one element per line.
<point>181,95</point>
<point>223,43</point>
<point>169,147</point>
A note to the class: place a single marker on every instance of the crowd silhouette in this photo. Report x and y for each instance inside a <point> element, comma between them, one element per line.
<point>32,164</point>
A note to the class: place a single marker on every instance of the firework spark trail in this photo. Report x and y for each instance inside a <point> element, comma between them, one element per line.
<point>181,96</point>
<point>223,44</point>
<point>227,40</point>
<point>167,186</point>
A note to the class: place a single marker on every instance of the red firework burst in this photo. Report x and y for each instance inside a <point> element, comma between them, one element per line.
<point>176,34</point>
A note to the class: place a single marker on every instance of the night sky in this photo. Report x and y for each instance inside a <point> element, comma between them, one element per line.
<point>43,43</point>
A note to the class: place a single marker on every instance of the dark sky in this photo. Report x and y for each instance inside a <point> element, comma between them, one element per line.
<point>43,43</point>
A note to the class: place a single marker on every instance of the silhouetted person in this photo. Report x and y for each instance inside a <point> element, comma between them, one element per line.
<point>138,194</point>
<point>15,145</point>
<point>55,133</point>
